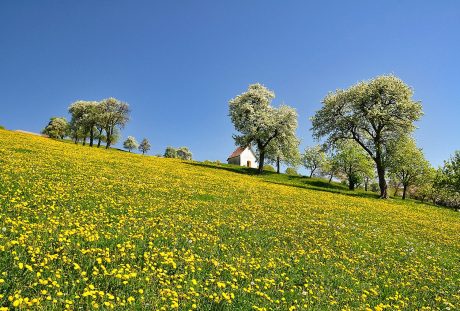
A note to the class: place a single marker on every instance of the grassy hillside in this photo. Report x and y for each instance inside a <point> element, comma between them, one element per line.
<point>83,228</point>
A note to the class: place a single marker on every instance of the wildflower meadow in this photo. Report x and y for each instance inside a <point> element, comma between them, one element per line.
<point>84,228</point>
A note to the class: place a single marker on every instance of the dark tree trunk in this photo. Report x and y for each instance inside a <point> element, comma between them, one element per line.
<point>261,160</point>
<point>278,164</point>
<point>99,136</point>
<point>330,177</point>
<point>382,182</point>
<point>351,185</point>
<point>351,182</point>
<point>84,140</point>
<point>404,191</point>
<point>76,140</point>
<point>91,136</point>
<point>311,173</point>
<point>366,182</point>
<point>109,139</point>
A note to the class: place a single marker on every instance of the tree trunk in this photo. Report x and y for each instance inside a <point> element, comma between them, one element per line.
<point>278,164</point>
<point>351,183</point>
<point>84,140</point>
<point>311,172</point>
<point>382,182</point>
<point>99,136</point>
<point>109,139</point>
<point>330,177</point>
<point>91,136</point>
<point>351,186</point>
<point>261,160</point>
<point>366,182</point>
<point>404,191</point>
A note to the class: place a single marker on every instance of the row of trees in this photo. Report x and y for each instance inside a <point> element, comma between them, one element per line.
<point>102,121</point>
<point>180,153</point>
<point>367,132</point>
<point>131,143</point>
<point>91,120</point>
<point>405,164</point>
<point>441,186</point>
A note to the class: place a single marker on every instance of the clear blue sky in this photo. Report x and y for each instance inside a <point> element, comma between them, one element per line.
<point>177,63</point>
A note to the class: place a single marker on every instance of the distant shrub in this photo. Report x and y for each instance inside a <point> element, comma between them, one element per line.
<point>170,152</point>
<point>292,171</point>
<point>375,187</point>
<point>269,168</point>
<point>181,153</point>
<point>2,127</point>
<point>184,153</point>
<point>57,128</point>
<point>209,162</point>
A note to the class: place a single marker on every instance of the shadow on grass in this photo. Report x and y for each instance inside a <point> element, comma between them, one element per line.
<point>337,190</point>
<point>227,167</point>
<point>302,182</point>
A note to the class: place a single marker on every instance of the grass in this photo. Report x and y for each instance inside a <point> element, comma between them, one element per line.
<point>86,228</point>
<point>299,181</point>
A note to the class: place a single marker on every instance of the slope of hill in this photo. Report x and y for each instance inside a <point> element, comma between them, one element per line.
<point>86,228</point>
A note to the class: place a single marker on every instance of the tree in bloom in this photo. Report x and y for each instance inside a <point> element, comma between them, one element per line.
<point>258,122</point>
<point>373,113</point>
<point>144,146</point>
<point>130,143</point>
<point>57,128</point>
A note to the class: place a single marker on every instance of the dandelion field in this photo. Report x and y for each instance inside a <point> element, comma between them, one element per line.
<point>84,228</point>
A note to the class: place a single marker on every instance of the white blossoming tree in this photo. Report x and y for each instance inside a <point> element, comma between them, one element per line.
<point>130,143</point>
<point>258,122</point>
<point>373,113</point>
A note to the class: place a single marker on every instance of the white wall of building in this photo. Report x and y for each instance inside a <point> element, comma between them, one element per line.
<point>246,156</point>
<point>243,158</point>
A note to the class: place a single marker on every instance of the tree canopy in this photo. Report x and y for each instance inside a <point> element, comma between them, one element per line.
<point>447,182</point>
<point>57,128</point>
<point>144,146</point>
<point>373,113</point>
<point>184,153</point>
<point>352,162</point>
<point>406,163</point>
<point>181,153</point>
<point>313,158</point>
<point>130,143</point>
<point>84,117</point>
<point>114,114</point>
<point>258,122</point>
<point>284,149</point>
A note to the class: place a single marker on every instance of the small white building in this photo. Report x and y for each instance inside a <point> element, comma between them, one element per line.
<point>243,156</point>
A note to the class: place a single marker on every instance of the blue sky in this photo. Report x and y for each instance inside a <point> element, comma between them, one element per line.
<point>177,63</point>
